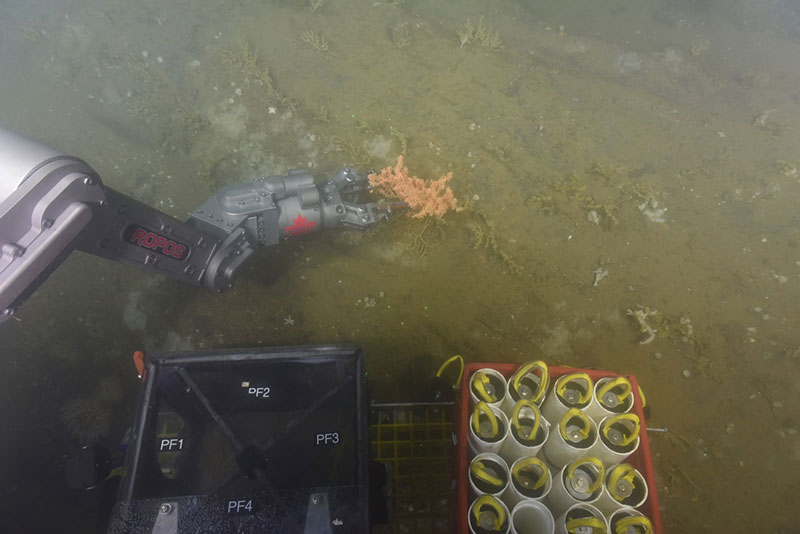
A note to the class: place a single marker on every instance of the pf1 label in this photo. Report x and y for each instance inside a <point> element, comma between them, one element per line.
<point>170,444</point>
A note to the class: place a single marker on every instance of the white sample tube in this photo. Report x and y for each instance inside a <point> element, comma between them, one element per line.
<point>580,482</point>
<point>624,486</point>
<point>529,382</point>
<point>612,396</point>
<point>488,429</point>
<point>488,515</point>
<point>530,479</point>
<point>573,438</point>
<point>629,521</point>
<point>531,517</point>
<point>527,432</point>
<point>488,475</point>
<point>573,390</point>
<point>489,386</point>
<point>618,438</point>
<point>581,518</point>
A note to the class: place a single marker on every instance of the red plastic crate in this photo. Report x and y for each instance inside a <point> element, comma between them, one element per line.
<point>641,459</point>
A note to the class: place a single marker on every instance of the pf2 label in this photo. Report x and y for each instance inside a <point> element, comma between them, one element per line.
<point>259,392</point>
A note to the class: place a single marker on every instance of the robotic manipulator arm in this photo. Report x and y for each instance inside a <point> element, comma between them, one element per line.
<point>52,204</point>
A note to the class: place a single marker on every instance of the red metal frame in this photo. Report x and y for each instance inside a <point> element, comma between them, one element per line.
<point>641,459</point>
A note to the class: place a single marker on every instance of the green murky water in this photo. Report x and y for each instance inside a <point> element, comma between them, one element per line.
<point>657,142</point>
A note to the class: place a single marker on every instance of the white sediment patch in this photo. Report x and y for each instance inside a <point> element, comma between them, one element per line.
<point>640,315</point>
<point>651,210</point>
<point>133,317</point>
<point>629,62</point>
<point>599,274</point>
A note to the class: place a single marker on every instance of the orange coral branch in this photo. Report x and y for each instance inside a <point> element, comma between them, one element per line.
<point>424,198</point>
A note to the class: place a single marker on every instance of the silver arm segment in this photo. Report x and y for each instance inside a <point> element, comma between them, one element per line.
<point>46,204</point>
<point>51,204</point>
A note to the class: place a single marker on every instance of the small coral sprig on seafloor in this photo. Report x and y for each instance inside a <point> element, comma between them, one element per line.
<point>424,198</point>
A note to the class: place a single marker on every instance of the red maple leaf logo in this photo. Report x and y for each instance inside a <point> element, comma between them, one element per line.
<point>301,226</point>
